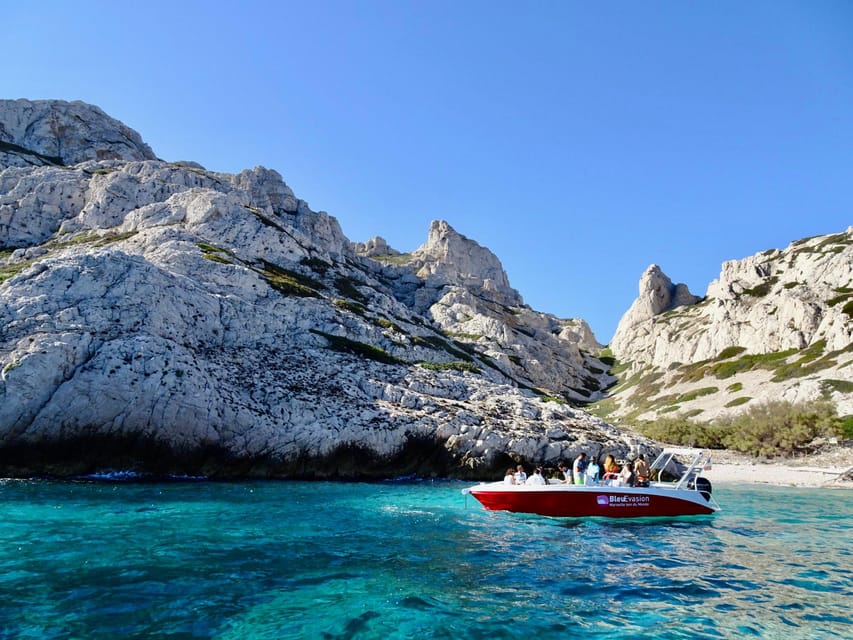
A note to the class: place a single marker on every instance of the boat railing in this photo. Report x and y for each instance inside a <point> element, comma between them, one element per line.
<point>699,459</point>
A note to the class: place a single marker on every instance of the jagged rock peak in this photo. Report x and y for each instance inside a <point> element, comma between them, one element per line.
<point>792,305</point>
<point>376,246</point>
<point>44,132</point>
<point>451,258</point>
<point>657,295</point>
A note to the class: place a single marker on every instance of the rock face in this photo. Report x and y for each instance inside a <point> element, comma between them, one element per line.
<point>40,132</point>
<point>159,317</point>
<point>776,325</point>
<point>462,288</point>
<point>657,295</point>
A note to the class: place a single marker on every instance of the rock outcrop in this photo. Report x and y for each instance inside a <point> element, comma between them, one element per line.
<point>776,325</point>
<point>157,316</point>
<point>657,295</point>
<point>54,132</point>
<point>463,288</point>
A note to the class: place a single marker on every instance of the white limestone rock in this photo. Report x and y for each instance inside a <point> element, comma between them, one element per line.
<point>463,288</point>
<point>794,301</point>
<point>657,295</point>
<point>39,132</point>
<point>376,246</point>
<point>160,316</point>
<point>449,258</point>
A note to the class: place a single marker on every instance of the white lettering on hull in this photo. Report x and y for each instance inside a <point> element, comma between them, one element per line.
<point>622,501</point>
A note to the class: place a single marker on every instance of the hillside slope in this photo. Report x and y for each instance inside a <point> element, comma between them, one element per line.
<point>777,325</point>
<point>161,317</point>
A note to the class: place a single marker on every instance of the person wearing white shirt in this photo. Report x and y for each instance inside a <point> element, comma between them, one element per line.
<point>579,468</point>
<point>537,477</point>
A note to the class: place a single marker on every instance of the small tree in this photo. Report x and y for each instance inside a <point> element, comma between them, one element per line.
<point>777,427</point>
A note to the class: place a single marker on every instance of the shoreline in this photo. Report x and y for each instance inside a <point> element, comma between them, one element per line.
<point>820,470</point>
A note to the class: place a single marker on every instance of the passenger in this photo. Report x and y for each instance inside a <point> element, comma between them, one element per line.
<point>611,470</point>
<point>520,475</point>
<point>537,477</point>
<point>592,472</point>
<point>610,465</point>
<point>641,471</point>
<point>579,468</point>
<point>626,476</point>
<point>567,474</point>
<point>509,478</point>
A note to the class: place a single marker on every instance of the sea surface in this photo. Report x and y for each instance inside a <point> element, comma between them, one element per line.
<point>412,559</point>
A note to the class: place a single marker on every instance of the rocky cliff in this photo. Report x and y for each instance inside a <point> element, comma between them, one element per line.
<point>776,325</point>
<point>160,317</point>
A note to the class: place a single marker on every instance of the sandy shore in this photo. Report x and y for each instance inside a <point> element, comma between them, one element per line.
<point>831,469</point>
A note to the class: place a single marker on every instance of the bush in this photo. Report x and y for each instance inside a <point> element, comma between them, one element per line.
<point>847,427</point>
<point>679,430</point>
<point>730,352</point>
<point>450,366</point>
<point>773,428</point>
<point>778,428</point>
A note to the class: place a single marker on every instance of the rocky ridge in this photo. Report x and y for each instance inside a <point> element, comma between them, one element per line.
<point>161,317</point>
<point>776,325</point>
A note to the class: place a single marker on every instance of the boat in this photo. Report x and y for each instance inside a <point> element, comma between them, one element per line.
<point>675,488</point>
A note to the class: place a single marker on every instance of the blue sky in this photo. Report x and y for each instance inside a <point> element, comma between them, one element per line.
<point>579,141</point>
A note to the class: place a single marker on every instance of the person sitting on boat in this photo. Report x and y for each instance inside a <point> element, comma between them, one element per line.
<point>567,474</point>
<point>536,477</point>
<point>641,471</point>
<point>610,465</point>
<point>626,476</point>
<point>520,475</point>
<point>592,472</point>
<point>611,470</point>
<point>579,468</point>
<point>509,478</point>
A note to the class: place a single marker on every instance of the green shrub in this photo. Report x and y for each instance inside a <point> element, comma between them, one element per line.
<point>352,307</point>
<point>697,393</point>
<point>681,431</point>
<point>339,343</point>
<point>776,427</point>
<point>738,401</point>
<point>289,282</point>
<point>847,427</point>
<point>9,270</point>
<point>385,323</point>
<point>834,301</point>
<point>450,366</point>
<point>730,352</point>
<point>761,290</point>
<point>840,386</point>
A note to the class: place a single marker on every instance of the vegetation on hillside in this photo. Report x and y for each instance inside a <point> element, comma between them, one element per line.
<point>773,428</point>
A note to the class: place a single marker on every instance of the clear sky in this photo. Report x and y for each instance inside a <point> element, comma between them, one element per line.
<point>580,141</point>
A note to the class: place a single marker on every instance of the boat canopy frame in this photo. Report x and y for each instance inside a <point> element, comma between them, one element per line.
<point>700,460</point>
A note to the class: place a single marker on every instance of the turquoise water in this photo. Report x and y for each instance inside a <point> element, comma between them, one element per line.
<point>412,560</point>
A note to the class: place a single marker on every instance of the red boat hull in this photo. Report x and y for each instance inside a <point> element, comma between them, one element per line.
<point>584,501</point>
